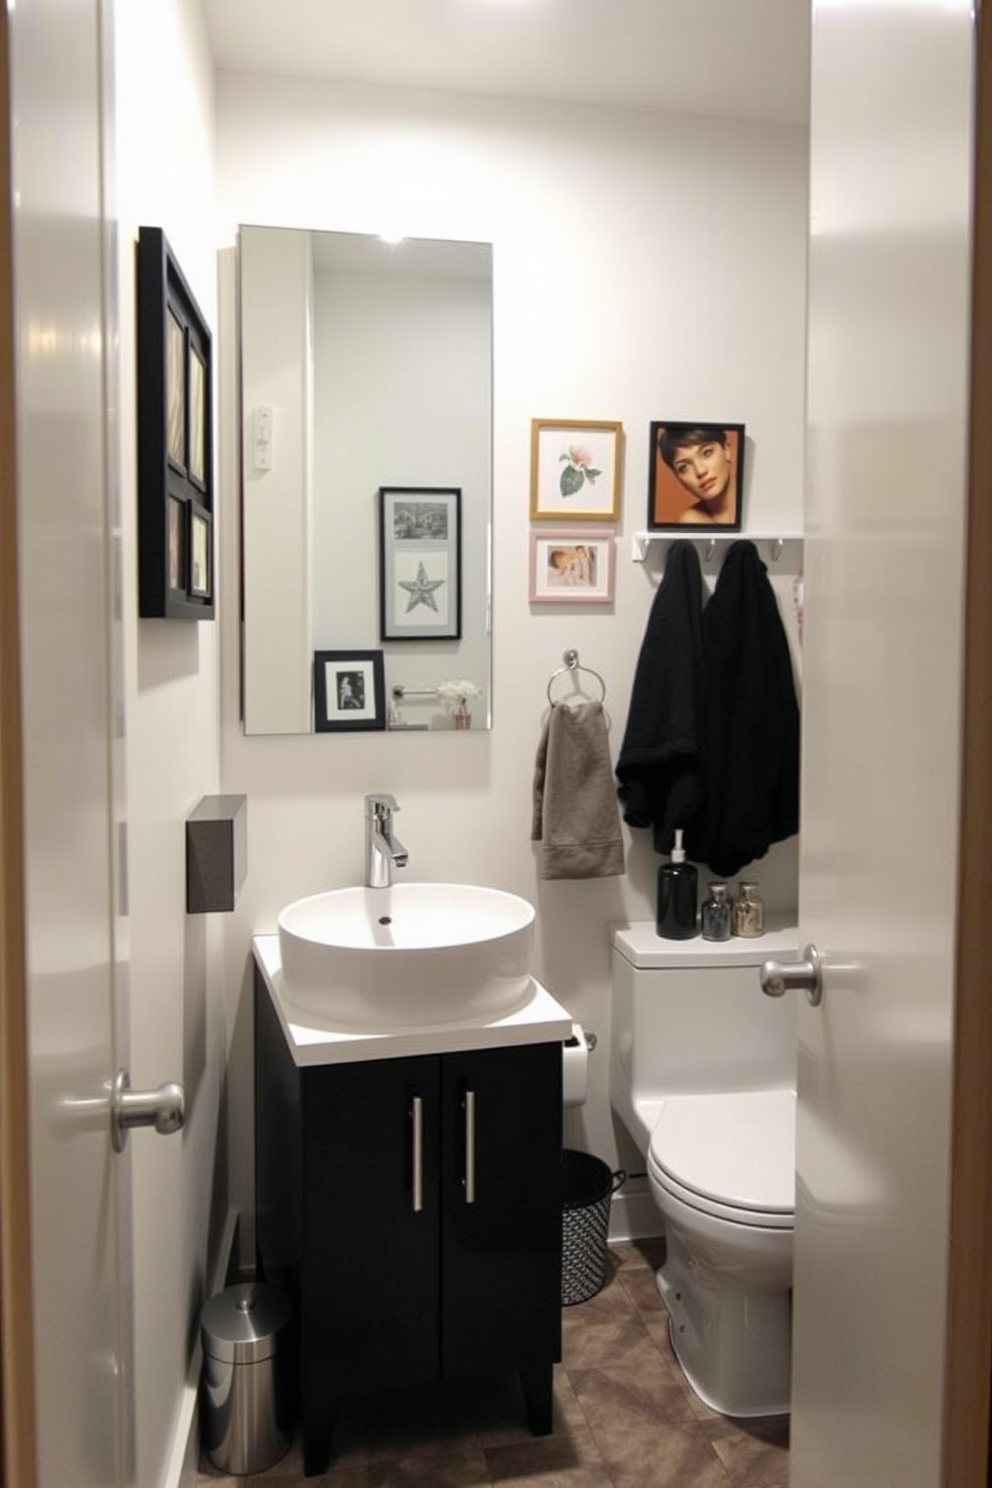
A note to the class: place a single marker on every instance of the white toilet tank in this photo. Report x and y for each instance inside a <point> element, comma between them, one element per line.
<point>690,1015</point>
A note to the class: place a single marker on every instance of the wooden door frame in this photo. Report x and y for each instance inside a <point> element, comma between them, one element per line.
<point>17,1406</point>
<point>968,1362</point>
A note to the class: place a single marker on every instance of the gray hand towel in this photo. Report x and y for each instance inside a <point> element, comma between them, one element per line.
<point>576,818</point>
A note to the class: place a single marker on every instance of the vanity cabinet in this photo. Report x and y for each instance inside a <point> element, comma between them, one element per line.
<point>412,1206</point>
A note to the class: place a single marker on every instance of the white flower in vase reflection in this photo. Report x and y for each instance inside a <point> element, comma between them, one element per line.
<point>421,590</point>
<point>457,694</point>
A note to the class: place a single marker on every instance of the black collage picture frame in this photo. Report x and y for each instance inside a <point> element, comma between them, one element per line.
<point>175,440</point>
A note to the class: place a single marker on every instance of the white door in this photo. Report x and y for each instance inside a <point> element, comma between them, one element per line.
<point>889,315</point>
<point>64,342</point>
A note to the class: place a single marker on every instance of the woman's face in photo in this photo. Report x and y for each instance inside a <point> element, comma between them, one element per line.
<point>704,469</point>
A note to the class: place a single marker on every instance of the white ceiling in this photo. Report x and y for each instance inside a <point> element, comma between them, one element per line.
<point>745,58</point>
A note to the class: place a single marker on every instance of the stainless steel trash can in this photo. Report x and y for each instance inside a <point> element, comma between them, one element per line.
<point>243,1393</point>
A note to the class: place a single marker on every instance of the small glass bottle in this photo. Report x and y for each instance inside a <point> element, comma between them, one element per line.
<point>716,913</point>
<point>749,912</point>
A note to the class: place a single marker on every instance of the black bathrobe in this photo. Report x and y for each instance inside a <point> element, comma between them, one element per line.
<point>660,765</point>
<point>751,729</point>
<point>712,737</point>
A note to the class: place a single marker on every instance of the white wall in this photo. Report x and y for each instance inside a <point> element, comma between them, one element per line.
<point>165,178</point>
<point>646,266</point>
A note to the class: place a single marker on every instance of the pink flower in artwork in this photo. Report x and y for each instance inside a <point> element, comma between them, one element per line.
<point>579,468</point>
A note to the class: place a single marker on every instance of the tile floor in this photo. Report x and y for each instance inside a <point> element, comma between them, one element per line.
<point>624,1417</point>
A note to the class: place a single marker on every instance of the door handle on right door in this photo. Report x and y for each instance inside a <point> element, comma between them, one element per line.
<point>779,977</point>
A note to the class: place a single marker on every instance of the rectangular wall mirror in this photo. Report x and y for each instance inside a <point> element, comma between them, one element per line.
<point>366,408</point>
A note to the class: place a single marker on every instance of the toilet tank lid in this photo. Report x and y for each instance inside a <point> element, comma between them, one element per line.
<point>737,1148</point>
<point>641,945</point>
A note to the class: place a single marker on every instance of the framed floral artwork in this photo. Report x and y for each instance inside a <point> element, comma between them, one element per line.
<point>575,470</point>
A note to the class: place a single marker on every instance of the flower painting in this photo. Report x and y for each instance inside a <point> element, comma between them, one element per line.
<point>575,469</point>
<point>578,469</point>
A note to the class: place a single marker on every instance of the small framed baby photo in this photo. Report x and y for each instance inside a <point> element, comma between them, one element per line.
<point>696,476</point>
<point>571,567</point>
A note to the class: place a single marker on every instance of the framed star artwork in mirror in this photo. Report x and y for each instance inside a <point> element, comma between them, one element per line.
<point>420,563</point>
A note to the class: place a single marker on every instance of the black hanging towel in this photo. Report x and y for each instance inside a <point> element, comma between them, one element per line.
<point>660,766</point>
<point>751,721</point>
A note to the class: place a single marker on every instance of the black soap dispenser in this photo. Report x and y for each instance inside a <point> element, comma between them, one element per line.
<point>677,891</point>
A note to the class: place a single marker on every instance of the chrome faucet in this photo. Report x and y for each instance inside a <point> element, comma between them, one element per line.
<point>383,851</point>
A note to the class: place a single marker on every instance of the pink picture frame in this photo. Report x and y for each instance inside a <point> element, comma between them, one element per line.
<point>571,566</point>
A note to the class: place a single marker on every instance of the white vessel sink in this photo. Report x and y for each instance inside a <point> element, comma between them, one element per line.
<point>415,955</point>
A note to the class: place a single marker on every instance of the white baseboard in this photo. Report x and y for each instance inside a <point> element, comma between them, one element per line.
<point>184,1460</point>
<point>634,1216</point>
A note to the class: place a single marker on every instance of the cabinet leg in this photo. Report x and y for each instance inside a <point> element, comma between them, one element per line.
<point>317,1437</point>
<point>537,1381</point>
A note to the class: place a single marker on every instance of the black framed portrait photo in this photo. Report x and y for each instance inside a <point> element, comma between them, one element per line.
<point>696,478</point>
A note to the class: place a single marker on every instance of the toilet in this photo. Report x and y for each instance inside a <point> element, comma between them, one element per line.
<point>702,1076</point>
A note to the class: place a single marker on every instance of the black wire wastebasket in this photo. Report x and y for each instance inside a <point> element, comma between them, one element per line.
<point>589,1186</point>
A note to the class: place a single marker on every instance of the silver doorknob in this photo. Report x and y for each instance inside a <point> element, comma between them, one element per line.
<point>779,977</point>
<point>164,1108</point>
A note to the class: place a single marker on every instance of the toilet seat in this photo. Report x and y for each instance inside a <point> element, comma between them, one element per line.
<point>731,1155</point>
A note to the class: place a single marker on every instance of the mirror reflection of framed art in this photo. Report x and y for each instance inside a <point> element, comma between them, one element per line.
<point>175,440</point>
<point>420,563</point>
<point>349,691</point>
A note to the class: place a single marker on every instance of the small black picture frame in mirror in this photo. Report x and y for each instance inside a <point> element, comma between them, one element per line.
<point>349,691</point>
<point>175,440</point>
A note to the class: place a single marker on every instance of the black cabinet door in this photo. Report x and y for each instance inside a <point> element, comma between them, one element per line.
<point>501,1198</point>
<point>370,1262</point>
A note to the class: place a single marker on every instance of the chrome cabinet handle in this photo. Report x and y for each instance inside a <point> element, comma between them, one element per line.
<point>164,1108</point>
<point>469,1104</point>
<point>418,1153</point>
<point>779,977</point>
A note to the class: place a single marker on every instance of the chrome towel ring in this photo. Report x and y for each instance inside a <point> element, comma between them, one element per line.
<point>573,666</point>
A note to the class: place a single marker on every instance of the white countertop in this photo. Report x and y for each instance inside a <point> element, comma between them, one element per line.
<point>642,946</point>
<point>540,1020</point>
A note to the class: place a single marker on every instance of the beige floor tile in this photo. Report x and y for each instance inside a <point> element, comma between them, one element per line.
<point>640,1286</point>
<point>630,1397</point>
<point>606,1330</point>
<point>460,1466</point>
<point>755,1453</point>
<point>335,1477</point>
<point>647,1252</point>
<point>565,1477</point>
<point>663,1456</point>
<point>563,1453</point>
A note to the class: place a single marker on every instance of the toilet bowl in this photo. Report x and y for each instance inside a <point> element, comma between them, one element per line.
<point>702,1073</point>
<point>721,1168</point>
